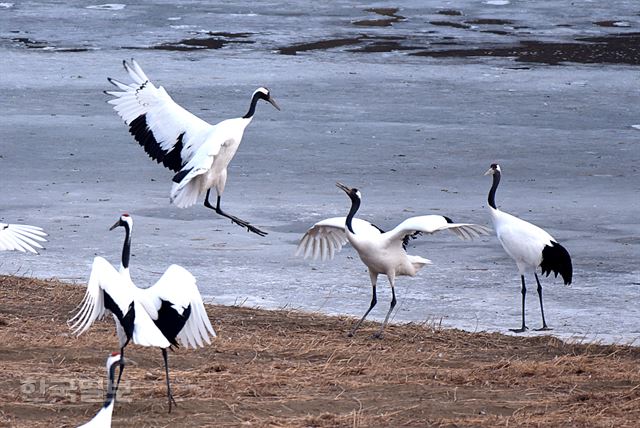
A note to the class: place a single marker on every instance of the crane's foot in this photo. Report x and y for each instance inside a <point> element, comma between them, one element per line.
<point>519,330</point>
<point>246,224</point>
<point>543,328</point>
<point>171,400</point>
<point>377,335</point>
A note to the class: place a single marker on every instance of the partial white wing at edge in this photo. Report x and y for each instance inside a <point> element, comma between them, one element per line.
<point>21,237</point>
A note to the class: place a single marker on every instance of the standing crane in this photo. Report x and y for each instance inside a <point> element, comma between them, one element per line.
<point>197,151</point>
<point>162,315</point>
<point>530,246</point>
<point>382,252</point>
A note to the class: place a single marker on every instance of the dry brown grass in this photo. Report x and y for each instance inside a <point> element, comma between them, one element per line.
<point>282,368</point>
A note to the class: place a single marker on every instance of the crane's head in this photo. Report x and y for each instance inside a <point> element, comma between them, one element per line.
<point>263,94</point>
<point>113,359</point>
<point>493,169</point>
<point>125,220</point>
<point>353,193</point>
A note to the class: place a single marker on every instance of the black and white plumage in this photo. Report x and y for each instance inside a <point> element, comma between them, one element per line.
<point>103,418</point>
<point>197,151</point>
<point>530,246</point>
<point>165,314</point>
<point>21,237</point>
<point>382,252</point>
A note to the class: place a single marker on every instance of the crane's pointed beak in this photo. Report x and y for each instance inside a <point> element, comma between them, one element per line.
<point>343,187</point>
<point>273,103</point>
<point>116,224</point>
<point>489,171</point>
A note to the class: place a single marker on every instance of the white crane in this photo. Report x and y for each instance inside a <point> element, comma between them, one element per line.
<point>156,316</point>
<point>103,418</point>
<point>21,237</point>
<point>530,247</point>
<point>197,151</point>
<point>382,252</point>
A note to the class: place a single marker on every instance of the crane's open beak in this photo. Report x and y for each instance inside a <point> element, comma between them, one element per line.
<point>343,187</point>
<point>116,224</point>
<point>273,103</point>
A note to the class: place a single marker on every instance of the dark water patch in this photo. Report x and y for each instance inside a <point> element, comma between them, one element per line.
<point>450,24</point>
<point>450,12</point>
<point>489,21</point>
<point>384,46</point>
<point>498,32</point>
<point>29,43</point>
<point>564,25</point>
<point>385,11</point>
<point>229,35</point>
<point>615,49</point>
<point>612,23</point>
<point>391,13</point>
<point>319,45</point>
<point>197,44</point>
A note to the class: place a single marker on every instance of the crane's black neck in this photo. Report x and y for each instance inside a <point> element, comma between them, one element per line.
<point>111,390</point>
<point>492,193</point>
<point>126,248</point>
<point>252,107</point>
<point>355,205</point>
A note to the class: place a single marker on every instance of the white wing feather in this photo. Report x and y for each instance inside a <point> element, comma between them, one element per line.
<point>327,237</point>
<point>435,223</point>
<point>21,237</point>
<point>103,277</point>
<point>178,286</point>
<point>166,119</point>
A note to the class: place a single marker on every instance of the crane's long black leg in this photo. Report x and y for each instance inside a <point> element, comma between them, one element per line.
<point>166,370</point>
<point>544,323</point>
<point>233,219</point>
<point>524,293</point>
<point>378,335</point>
<point>374,300</point>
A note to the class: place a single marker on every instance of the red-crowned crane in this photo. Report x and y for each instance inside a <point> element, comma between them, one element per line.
<point>382,252</point>
<point>197,151</point>
<point>530,247</point>
<point>162,315</point>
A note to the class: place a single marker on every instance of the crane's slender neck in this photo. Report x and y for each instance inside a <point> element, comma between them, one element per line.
<point>126,248</point>
<point>492,193</point>
<point>355,205</point>
<point>111,391</point>
<point>252,106</point>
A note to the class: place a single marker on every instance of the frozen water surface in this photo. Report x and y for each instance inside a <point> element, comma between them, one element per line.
<point>410,104</point>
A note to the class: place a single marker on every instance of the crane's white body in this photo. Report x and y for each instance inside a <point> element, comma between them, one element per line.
<point>176,285</point>
<point>21,237</point>
<point>521,240</point>
<point>208,165</point>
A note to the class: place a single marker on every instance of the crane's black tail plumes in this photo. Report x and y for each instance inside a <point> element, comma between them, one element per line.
<point>557,259</point>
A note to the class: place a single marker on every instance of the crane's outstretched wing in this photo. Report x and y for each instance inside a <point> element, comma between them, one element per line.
<point>327,237</point>
<point>104,281</point>
<point>169,133</point>
<point>108,290</point>
<point>21,237</point>
<point>176,289</point>
<point>433,224</point>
